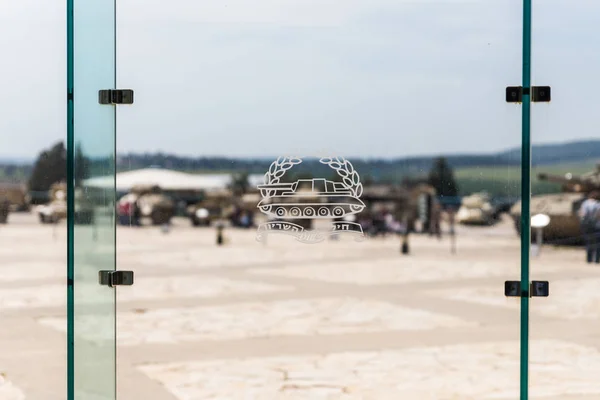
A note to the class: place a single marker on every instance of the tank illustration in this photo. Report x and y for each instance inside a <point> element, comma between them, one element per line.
<point>477,209</point>
<point>562,208</point>
<point>308,199</point>
<point>152,203</point>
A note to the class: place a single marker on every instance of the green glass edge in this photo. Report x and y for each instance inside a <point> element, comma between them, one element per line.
<point>70,206</point>
<point>525,201</point>
<point>114,193</point>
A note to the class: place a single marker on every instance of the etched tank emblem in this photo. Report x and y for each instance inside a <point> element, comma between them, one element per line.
<point>304,200</point>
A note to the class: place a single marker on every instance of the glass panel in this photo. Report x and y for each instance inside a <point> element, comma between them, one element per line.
<point>93,216</point>
<point>32,157</point>
<point>391,86</point>
<point>566,150</point>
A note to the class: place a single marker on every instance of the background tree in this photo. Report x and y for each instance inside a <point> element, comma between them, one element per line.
<point>82,166</point>
<point>441,177</point>
<point>239,183</point>
<point>50,167</point>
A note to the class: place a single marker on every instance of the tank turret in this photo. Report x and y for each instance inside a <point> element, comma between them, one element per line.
<point>583,183</point>
<point>562,208</point>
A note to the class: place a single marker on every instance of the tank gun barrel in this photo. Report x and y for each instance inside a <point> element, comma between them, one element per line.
<point>574,183</point>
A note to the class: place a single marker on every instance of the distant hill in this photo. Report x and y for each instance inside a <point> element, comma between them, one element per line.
<point>558,153</point>
<point>544,154</point>
<point>383,170</point>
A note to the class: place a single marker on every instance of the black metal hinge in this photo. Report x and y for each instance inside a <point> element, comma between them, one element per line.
<point>539,94</point>
<point>115,96</point>
<point>115,278</point>
<point>536,289</point>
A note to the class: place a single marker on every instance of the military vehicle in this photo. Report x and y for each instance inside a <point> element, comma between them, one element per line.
<point>223,205</point>
<point>410,204</point>
<point>214,207</point>
<point>477,209</point>
<point>56,209</point>
<point>562,208</point>
<point>4,209</point>
<point>16,194</point>
<point>320,198</point>
<point>152,202</point>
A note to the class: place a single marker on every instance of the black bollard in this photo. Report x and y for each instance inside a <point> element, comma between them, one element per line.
<point>404,248</point>
<point>219,235</point>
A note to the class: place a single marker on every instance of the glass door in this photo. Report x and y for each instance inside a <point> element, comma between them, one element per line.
<point>91,208</point>
<point>565,174</point>
<point>345,178</point>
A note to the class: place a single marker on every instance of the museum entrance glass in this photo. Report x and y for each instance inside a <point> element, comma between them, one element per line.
<point>342,190</point>
<point>326,104</point>
<point>91,210</point>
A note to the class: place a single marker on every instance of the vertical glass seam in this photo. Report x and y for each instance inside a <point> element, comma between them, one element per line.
<point>114,202</point>
<point>525,200</point>
<point>70,203</point>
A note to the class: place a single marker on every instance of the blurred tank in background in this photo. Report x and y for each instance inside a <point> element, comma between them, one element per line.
<point>562,208</point>
<point>224,205</point>
<point>477,209</point>
<point>410,204</point>
<point>152,203</point>
<point>56,209</point>
<point>4,209</point>
<point>215,206</point>
<point>17,196</point>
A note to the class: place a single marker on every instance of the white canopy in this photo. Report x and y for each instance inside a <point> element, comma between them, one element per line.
<point>167,180</point>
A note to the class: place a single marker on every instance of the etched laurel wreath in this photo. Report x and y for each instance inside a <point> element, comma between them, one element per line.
<point>343,167</point>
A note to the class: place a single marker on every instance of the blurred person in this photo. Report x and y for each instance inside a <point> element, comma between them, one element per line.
<point>124,212</point>
<point>435,223</point>
<point>366,223</point>
<point>379,223</point>
<point>589,214</point>
<point>245,220</point>
<point>136,213</point>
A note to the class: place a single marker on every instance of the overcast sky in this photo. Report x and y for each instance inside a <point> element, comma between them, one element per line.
<point>376,78</point>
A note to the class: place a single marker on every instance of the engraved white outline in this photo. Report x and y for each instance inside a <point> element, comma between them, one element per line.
<point>343,199</point>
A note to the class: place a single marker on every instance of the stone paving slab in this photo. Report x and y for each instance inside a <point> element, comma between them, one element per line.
<point>33,270</point>
<point>264,319</point>
<point>570,299</point>
<point>394,271</point>
<point>237,257</point>
<point>339,314</point>
<point>465,372</point>
<point>144,288</point>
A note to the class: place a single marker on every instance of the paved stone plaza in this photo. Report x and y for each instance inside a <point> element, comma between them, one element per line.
<point>286,320</point>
